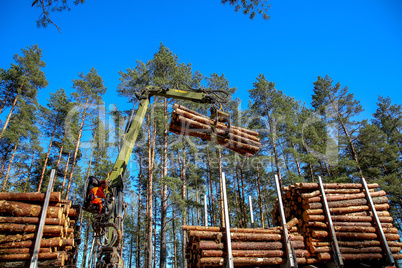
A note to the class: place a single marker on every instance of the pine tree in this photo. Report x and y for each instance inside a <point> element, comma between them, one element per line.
<point>267,102</point>
<point>22,80</point>
<point>53,121</point>
<point>89,90</point>
<point>340,107</point>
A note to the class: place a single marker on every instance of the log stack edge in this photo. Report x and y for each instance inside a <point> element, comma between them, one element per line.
<point>19,221</point>
<point>308,230</point>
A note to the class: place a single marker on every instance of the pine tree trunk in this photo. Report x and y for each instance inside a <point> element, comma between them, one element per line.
<point>47,156</point>
<point>90,160</point>
<point>77,146</point>
<point>138,247</point>
<point>163,252</point>
<point>197,200</point>
<point>182,164</point>
<point>9,115</point>
<point>273,143</point>
<point>151,155</point>
<point>65,172</point>
<point>259,196</point>
<point>5,100</point>
<point>311,172</point>
<point>84,253</point>
<point>174,236</point>
<point>29,171</point>
<point>59,157</point>
<point>237,197</point>
<point>211,197</point>
<point>297,160</point>
<point>352,146</point>
<point>9,166</point>
<point>4,161</point>
<point>243,198</point>
<point>154,232</point>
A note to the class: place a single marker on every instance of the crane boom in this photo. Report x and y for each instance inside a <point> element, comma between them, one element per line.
<point>112,219</point>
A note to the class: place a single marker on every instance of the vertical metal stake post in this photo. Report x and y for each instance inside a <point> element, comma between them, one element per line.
<point>335,247</point>
<point>227,223</point>
<point>389,259</point>
<point>291,261</point>
<point>205,210</point>
<point>251,211</point>
<point>34,259</point>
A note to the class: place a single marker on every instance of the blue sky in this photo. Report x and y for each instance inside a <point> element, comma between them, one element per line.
<point>357,43</point>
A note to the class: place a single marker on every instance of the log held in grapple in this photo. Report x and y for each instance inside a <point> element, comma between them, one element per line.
<point>190,123</point>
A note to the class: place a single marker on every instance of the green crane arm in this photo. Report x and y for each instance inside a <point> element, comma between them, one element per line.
<point>115,179</point>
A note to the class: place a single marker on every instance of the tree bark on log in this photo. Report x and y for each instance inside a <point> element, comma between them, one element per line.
<point>20,209</point>
<point>27,256</point>
<point>311,186</point>
<point>338,197</point>
<point>52,242</point>
<point>32,220</point>
<point>6,251</point>
<point>55,230</point>
<point>55,197</point>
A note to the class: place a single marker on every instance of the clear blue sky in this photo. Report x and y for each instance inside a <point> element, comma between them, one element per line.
<point>357,43</point>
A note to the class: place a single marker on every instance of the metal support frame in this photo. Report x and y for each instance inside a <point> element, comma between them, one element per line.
<point>337,257</point>
<point>34,259</point>
<point>251,211</point>
<point>290,253</point>
<point>227,223</point>
<point>389,260</point>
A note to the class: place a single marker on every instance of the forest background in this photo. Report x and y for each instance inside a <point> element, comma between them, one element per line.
<point>107,51</point>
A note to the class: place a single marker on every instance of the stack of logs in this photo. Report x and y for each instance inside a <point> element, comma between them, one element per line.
<point>206,246</point>
<point>188,122</point>
<point>352,219</point>
<point>19,221</point>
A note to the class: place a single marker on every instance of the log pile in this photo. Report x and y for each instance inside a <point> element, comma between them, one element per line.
<point>190,123</point>
<point>206,246</point>
<point>19,221</point>
<point>351,216</point>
